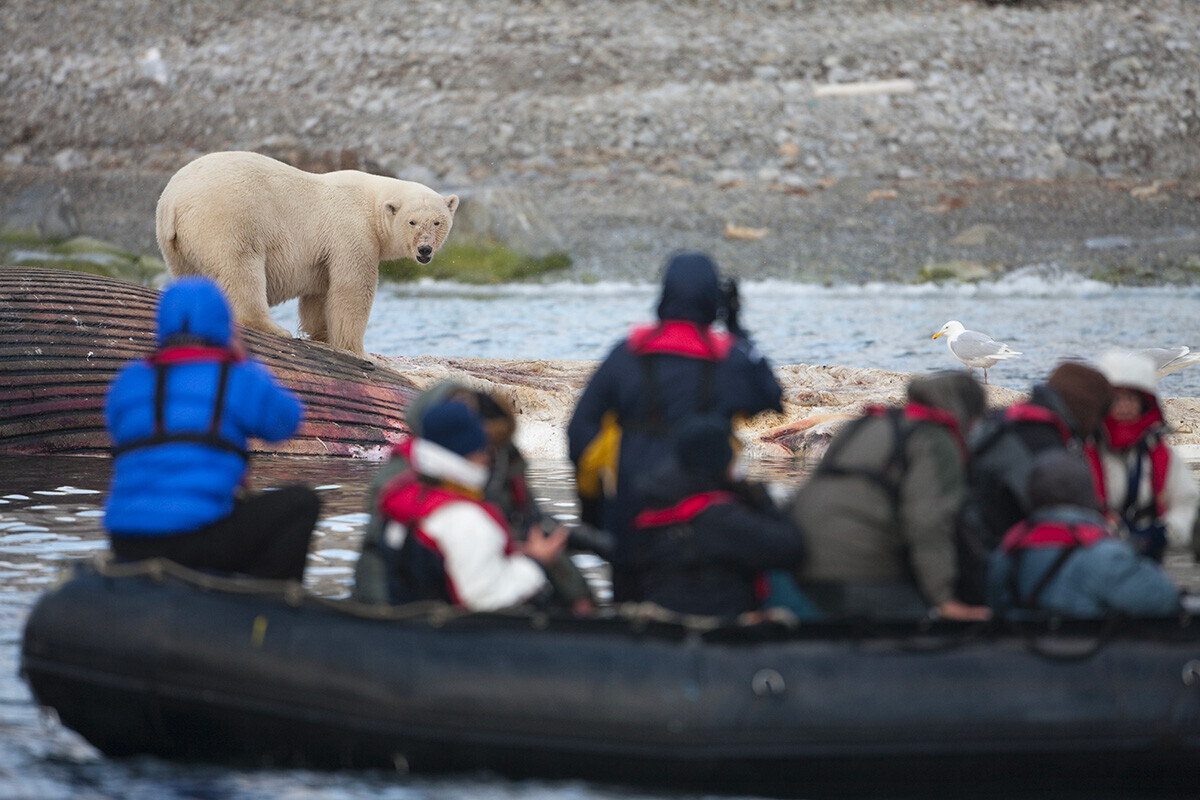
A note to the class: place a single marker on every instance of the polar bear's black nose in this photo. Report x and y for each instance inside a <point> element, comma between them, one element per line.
<point>425,251</point>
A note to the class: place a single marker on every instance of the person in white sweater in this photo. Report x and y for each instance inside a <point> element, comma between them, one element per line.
<point>442,541</point>
<point>1147,485</point>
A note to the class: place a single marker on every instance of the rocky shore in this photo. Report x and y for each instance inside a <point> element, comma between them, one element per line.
<point>824,141</point>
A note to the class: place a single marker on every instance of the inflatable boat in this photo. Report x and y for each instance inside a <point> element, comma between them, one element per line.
<point>150,658</point>
<point>64,335</point>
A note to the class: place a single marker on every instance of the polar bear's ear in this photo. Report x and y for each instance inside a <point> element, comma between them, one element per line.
<point>392,208</point>
<point>452,203</point>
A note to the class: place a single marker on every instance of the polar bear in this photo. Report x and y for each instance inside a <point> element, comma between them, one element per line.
<point>268,232</point>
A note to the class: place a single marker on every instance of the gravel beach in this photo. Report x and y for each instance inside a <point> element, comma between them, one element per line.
<point>823,141</point>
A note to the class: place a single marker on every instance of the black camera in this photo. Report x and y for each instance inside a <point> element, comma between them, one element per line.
<point>585,538</point>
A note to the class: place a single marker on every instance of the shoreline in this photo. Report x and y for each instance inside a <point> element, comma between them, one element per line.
<point>818,400</point>
<point>852,231</point>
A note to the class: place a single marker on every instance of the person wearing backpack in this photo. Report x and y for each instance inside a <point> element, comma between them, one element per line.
<point>661,374</point>
<point>879,512</point>
<point>1063,413</point>
<point>1064,558</point>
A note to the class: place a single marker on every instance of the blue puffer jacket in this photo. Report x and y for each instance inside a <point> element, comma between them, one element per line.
<point>1102,575</point>
<point>170,484</point>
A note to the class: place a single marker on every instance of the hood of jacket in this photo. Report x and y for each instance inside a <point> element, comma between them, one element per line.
<point>194,307</point>
<point>691,289</point>
<point>953,391</point>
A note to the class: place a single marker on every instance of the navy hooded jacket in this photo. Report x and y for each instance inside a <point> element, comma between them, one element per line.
<point>651,391</point>
<point>183,477</point>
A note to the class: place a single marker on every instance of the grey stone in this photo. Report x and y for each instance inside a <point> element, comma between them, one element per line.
<point>44,210</point>
<point>507,217</point>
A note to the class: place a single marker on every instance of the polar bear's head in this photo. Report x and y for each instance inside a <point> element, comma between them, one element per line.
<point>419,224</point>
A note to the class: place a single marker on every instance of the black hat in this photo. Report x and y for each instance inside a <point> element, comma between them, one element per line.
<point>1061,478</point>
<point>702,445</point>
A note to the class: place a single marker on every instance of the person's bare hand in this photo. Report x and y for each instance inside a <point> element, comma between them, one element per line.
<point>958,610</point>
<point>544,547</point>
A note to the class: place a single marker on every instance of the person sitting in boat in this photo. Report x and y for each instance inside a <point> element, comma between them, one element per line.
<point>442,540</point>
<point>507,487</point>
<point>1146,484</point>
<point>1064,558</point>
<point>1065,412</point>
<point>705,540</point>
<point>659,375</point>
<point>879,512</point>
<point>179,422</point>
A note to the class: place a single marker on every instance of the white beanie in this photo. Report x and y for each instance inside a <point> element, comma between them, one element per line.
<point>1126,370</point>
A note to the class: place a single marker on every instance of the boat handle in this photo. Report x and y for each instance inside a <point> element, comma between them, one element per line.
<point>1191,671</point>
<point>767,682</point>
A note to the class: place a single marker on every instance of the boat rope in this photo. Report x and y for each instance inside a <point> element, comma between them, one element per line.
<point>292,592</point>
<point>1044,638</point>
<point>434,612</point>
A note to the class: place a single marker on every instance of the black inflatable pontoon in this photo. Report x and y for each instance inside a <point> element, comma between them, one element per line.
<point>149,658</point>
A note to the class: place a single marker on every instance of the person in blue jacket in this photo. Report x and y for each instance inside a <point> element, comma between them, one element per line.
<point>658,376</point>
<point>179,421</point>
<point>1064,558</point>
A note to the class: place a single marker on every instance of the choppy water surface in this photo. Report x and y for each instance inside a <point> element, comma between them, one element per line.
<point>51,508</point>
<point>51,511</point>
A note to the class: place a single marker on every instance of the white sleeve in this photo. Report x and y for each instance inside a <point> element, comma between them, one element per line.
<point>472,546</point>
<point>1180,497</point>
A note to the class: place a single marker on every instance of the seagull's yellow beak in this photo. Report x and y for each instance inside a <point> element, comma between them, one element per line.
<point>939,333</point>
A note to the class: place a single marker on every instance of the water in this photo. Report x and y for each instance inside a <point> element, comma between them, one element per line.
<point>1046,315</point>
<point>50,508</point>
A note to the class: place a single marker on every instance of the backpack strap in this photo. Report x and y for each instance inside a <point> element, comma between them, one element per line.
<point>211,437</point>
<point>1034,601</point>
<point>887,477</point>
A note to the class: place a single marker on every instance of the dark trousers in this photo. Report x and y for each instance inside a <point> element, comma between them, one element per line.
<point>266,536</point>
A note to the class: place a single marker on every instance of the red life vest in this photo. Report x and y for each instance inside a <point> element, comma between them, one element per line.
<point>191,354</point>
<point>1052,533</point>
<point>684,511</point>
<point>919,412</point>
<point>1063,535</point>
<point>681,338</point>
<point>1145,430</point>
<point>687,510</point>
<point>409,500</point>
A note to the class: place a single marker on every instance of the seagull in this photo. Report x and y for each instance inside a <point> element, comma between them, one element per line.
<point>1169,359</point>
<point>973,348</point>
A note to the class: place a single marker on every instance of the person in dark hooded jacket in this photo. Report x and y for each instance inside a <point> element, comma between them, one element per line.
<point>661,374</point>
<point>179,422</point>
<point>1064,413</point>
<point>706,542</point>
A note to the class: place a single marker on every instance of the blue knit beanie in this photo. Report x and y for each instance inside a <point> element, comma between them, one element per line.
<point>455,427</point>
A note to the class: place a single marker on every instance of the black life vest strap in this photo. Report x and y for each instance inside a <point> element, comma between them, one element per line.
<point>1034,600</point>
<point>1131,512</point>
<point>210,438</point>
<point>655,423</point>
<point>887,477</point>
